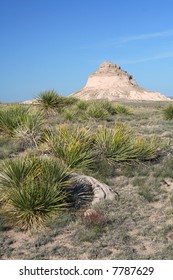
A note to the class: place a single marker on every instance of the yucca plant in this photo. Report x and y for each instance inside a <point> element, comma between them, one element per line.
<point>69,100</point>
<point>54,171</point>
<point>11,117</point>
<point>18,171</point>
<point>113,145</point>
<point>71,113</point>
<point>34,204</point>
<point>33,189</point>
<point>109,107</point>
<point>122,110</point>
<point>121,145</point>
<point>96,110</point>
<point>168,112</point>
<point>29,133</point>
<point>73,146</point>
<point>146,148</point>
<point>49,100</point>
<point>82,104</point>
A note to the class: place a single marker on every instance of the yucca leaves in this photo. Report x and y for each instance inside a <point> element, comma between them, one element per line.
<point>53,171</point>
<point>146,148</point>
<point>32,205</point>
<point>122,110</point>
<point>119,144</point>
<point>30,132</point>
<point>113,144</point>
<point>168,112</point>
<point>97,111</point>
<point>11,117</point>
<point>16,172</point>
<point>73,146</point>
<point>49,100</point>
<point>33,189</point>
<point>23,124</point>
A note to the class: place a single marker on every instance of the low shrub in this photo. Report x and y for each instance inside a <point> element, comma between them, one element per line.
<point>73,146</point>
<point>32,190</point>
<point>49,100</point>
<point>96,110</point>
<point>168,112</point>
<point>11,117</point>
<point>122,110</point>
<point>29,133</point>
<point>120,144</point>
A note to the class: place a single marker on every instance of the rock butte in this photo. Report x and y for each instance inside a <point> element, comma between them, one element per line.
<point>112,83</point>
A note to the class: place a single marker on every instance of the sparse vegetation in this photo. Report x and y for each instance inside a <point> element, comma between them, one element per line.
<point>41,144</point>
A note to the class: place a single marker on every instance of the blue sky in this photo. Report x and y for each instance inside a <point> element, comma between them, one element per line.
<point>56,44</point>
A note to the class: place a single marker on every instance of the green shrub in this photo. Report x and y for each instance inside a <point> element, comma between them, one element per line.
<point>32,205</point>
<point>96,110</point>
<point>49,100</point>
<point>73,146</point>
<point>120,144</point>
<point>122,110</point>
<point>145,148</point>
<point>109,107</point>
<point>29,133</point>
<point>72,113</point>
<point>168,112</point>
<point>113,145</point>
<point>68,101</point>
<point>32,190</point>
<point>82,104</point>
<point>11,117</point>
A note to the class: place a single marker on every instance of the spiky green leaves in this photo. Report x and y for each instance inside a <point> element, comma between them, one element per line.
<point>73,146</point>
<point>120,144</point>
<point>29,133</point>
<point>81,149</point>
<point>23,124</point>
<point>32,190</point>
<point>49,100</point>
<point>11,117</point>
<point>168,112</point>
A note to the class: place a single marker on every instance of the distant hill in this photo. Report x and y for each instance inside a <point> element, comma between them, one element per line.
<point>112,83</point>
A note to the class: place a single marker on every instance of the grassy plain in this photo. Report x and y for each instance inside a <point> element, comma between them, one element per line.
<point>137,226</point>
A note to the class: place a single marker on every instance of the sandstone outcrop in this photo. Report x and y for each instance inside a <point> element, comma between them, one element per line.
<point>112,83</point>
<point>86,189</point>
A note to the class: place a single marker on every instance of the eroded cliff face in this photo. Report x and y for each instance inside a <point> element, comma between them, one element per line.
<point>112,83</point>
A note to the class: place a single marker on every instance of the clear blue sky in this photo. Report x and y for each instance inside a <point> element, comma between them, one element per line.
<point>56,44</point>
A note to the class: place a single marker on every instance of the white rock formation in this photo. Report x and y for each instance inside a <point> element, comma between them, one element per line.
<point>86,189</point>
<point>112,83</point>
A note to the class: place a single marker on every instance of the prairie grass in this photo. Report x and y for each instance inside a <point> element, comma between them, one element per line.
<point>132,153</point>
